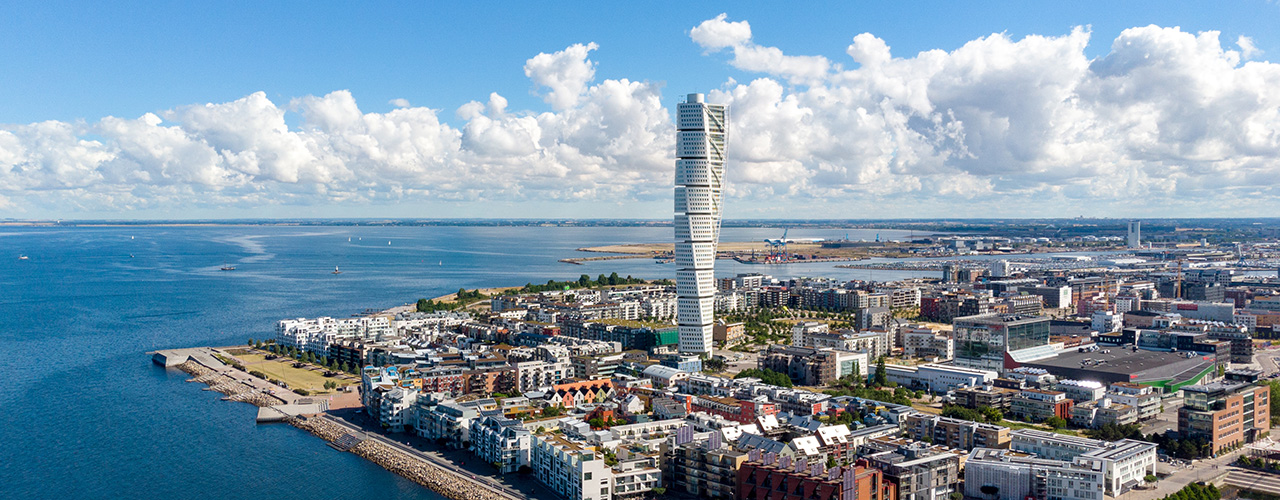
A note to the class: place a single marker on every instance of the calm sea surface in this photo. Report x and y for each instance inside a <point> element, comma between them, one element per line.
<point>87,415</point>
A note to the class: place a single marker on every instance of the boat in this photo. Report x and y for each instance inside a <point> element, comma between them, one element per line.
<point>22,257</point>
<point>442,263</point>
<point>336,271</point>
<point>348,239</point>
<point>225,267</point>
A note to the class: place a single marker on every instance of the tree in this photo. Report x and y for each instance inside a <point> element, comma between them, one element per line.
<point>882,375</point>
<point>992,415</point>
<point>613,278</point>
<point>766,376</point>
<point>600,281</point>
<point>346,367</point>
<point>584,280</point>
<point>1150,479</point>
<point>831,461</point>
<point>1055,422</point>
<point>250,341</point>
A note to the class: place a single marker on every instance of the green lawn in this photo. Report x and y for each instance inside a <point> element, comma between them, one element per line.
<point>297,378</point>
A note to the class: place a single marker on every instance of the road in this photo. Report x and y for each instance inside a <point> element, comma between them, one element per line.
<point>516,485</point>
<point>1166,420</point>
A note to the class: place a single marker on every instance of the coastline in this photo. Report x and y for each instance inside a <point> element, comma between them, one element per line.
<point>447,483</point>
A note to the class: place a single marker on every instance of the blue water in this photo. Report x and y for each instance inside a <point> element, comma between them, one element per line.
<point>87,415</point>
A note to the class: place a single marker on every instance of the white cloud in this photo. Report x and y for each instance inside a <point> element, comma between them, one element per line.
<point>565,73</point>
<point>1248,50</point>
<point>1166,122</point>
<point>399,102</point>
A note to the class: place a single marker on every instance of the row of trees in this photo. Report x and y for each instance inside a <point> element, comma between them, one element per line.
<point>767,376</point>
<point>984,414</point>
<point>1196,491</point>
<point>307,357</point>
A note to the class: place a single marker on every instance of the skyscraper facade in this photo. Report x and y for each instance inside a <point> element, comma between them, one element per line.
<point>1135,234</point>
<point>701,130</point>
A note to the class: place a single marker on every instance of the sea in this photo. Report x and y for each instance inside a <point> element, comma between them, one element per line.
<point>86,414</point>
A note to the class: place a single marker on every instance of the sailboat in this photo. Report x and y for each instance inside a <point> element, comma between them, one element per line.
<point>388,243</point>
<point>22,257</point>
<point>348,239</point>
<point>225,267</point>
<point>442,263</point>
<point>336,271</point>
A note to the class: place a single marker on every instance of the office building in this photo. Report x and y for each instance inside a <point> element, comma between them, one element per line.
<point>982,341</point>
<point>1225,413</point>
<point>701,131</point>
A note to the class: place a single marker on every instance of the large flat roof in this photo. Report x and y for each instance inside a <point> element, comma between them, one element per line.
<point>1124,365</point>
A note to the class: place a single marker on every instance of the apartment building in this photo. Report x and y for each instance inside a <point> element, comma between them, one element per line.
<point>1010,475</point>
<point>699,469</point>
<point>501,441</point>
<point>1141,397</point>
<point>1036,405</point>
<point>1095,414</point>
<point>767,477</point>
<point>534,375</point>
<point>955,433</point>
<point>569,468</point>
<point>920,471</point>
<point>1123,463</point>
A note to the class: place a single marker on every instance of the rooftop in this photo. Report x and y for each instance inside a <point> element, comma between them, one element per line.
<point>1123,364</point>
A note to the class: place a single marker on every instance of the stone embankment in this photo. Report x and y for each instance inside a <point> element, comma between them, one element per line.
<point>447,483</point>
<point>234,389</point>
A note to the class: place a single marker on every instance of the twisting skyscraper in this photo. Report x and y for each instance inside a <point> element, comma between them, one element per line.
<point>700,152</point>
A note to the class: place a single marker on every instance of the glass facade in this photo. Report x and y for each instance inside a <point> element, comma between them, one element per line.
<point>981,341</point>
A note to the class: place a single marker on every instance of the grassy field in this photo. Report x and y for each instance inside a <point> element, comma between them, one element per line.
<point>297,378</point>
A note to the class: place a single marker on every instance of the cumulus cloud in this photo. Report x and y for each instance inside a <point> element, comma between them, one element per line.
<point>1165,122</point>
<point>1168,117</point>
<point>608,140</point>
<point>565,74</point>
<point>399,102</point>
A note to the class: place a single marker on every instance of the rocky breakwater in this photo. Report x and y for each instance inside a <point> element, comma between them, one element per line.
<point>445,482</point>
<point>234,389</point>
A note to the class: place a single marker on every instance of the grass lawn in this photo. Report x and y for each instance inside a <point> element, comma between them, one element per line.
<point>297,378</point>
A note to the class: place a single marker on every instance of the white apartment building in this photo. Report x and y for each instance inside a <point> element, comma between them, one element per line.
<point>396,408</point>
<point>701,131</point>
<point>570,469</point>
<point>1123,463</point>
<point>1142,397</point>
<point>534,375</point>
<point>315,335</point>
<point>503,442</point>
<point>1013,476</point>
<point>920,342</point>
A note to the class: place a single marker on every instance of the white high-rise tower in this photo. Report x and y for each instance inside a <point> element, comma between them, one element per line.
<point>1135,234</point>
<point>700,152</point>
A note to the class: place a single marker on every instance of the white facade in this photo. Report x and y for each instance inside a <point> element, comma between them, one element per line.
<point>534,375</point>
<point>701,130</point>
<point>569,469</point>
<point>1135,234</point>
<point>502,442</point>
<point>926,342</point>
<point>1123,463</point>
<point>938,378</point>
<point>315,335</point>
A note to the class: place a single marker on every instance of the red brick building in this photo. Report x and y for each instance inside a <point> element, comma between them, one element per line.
<point>772,478</point>
<point>737,410</point>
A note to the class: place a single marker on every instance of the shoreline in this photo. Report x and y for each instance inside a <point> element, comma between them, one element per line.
<point>440,480</point>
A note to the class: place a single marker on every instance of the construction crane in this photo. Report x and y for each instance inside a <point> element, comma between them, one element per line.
<point>778,247</point>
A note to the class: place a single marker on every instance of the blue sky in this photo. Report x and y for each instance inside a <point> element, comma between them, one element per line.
<point>78,62</point>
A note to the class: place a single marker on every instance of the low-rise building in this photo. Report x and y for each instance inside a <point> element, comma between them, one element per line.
<point>920,471</point>
<point>698,469</point>
<point>1142,397</point>
<point>1000,398</point>
<point>955,433</point>
<point>1081,390</point>
<point>766,477</point>
<point>1010,475</point>
<point>1095,414</point>
<point>1123,463</point>
<point>1035,405</point>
